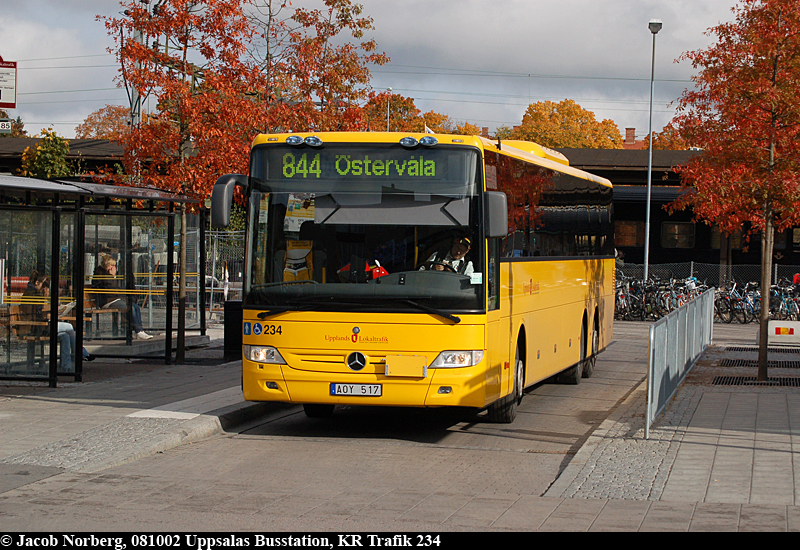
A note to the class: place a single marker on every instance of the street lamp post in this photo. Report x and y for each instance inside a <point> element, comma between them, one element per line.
<point>654,26</point>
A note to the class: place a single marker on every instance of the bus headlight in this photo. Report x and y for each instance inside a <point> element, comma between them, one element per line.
<point>263,354</point>
<point>294,140</point>
<point>428,141</point>
<point>456,359</point>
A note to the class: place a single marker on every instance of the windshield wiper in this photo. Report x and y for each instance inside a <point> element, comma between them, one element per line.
<point>278,309</point>
<point>433,310</point>
<point>280,283</point>
<point>330,301</point>
<point>309,302</point>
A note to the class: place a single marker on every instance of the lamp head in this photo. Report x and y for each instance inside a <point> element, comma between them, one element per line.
<point>654,26</point>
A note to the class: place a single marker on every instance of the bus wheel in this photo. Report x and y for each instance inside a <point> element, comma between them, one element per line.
<point>573,375</point>
<point>504,411</point>
<point>591,361</point>
<point>314,410</point>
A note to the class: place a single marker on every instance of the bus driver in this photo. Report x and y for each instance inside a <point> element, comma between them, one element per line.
<point>454,260</point>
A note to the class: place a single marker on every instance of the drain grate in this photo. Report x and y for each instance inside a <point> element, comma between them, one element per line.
<point>770,350</point>
<point>755,349</point>
<point>782,381</point>
<point>751,363</point>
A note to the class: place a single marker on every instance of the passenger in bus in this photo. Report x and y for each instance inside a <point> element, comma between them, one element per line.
<point>455,258</point>
<point>105,277</point>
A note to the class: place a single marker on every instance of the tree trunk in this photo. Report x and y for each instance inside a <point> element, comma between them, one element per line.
<point>767,243</point>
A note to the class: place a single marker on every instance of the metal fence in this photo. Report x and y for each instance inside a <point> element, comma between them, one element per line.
<point>676,341</point>
<point>712,274</point>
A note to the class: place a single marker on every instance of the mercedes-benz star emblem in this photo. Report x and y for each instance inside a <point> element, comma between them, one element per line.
<point>356,360</point>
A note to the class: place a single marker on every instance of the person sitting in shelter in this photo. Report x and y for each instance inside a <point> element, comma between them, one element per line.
<point>105,278</point>
<point>38,289</point>
<point>454,260</point>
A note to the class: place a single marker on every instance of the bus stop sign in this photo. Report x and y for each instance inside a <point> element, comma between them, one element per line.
<point>8,84</point>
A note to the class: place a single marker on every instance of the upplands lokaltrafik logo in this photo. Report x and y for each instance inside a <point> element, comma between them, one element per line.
<point>356,337</point>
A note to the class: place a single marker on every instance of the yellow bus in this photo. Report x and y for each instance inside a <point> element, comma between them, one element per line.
<point>418,270</point>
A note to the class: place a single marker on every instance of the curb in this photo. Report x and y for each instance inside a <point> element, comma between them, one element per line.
<point>190,431</point>
<point>598,439</point>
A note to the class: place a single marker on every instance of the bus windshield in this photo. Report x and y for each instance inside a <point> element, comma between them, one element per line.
<point>354,227</point>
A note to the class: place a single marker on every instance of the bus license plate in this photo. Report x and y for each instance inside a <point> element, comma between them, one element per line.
<point>357,390</point>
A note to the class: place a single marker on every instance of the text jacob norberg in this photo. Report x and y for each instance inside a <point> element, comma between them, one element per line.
<point>72,541</point>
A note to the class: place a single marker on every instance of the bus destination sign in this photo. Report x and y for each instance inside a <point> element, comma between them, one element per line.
<point>316,166</point>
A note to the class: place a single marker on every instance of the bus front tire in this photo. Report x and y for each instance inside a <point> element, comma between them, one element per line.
<point>315,410</point>
<point>504,411</point>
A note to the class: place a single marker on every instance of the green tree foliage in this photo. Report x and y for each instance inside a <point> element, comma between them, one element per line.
<point>48,158</point>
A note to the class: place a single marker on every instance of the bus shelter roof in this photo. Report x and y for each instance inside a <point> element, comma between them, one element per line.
<point>20,185</point>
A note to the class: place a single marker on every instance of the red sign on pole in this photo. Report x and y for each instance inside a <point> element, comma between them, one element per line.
<point>8,84</point>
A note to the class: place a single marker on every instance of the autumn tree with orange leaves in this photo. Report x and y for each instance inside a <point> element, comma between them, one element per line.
<point>668,139</point>
<point>320,68</point>
<point>404,116</point>
<point>190,59</point>
<point>215,89</point>
<point>566,124</point>
<point>195,57</point>
<point>109,122</point>
<point>386,111</point>
<point>189,55</point>
<point>438,123</point>
<point>745,115</point>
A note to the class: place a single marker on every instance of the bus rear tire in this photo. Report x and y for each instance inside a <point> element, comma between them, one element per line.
<point>315,410</point>
<point>590,362</point>
<point>572,376</point>
<point>504,411</point>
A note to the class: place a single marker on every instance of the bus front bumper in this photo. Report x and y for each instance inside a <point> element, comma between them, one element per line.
<point>445,387</point>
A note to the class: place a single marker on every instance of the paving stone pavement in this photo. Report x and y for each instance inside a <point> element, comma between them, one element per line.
<point>94,426</point>
<point>712,444</point>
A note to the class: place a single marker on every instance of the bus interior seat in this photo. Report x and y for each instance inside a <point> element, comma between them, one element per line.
<point>302,259</point>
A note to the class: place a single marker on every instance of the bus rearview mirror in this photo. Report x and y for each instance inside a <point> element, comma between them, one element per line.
<point>496,214</point>
<point>222,198</point>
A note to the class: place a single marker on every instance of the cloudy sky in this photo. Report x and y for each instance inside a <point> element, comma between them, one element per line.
<point>478,61</point>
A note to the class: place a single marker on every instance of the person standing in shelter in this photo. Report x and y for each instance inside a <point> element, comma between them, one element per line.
<point>105,278</point>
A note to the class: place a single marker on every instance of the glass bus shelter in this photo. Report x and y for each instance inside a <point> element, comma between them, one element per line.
<point>57,241</point>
